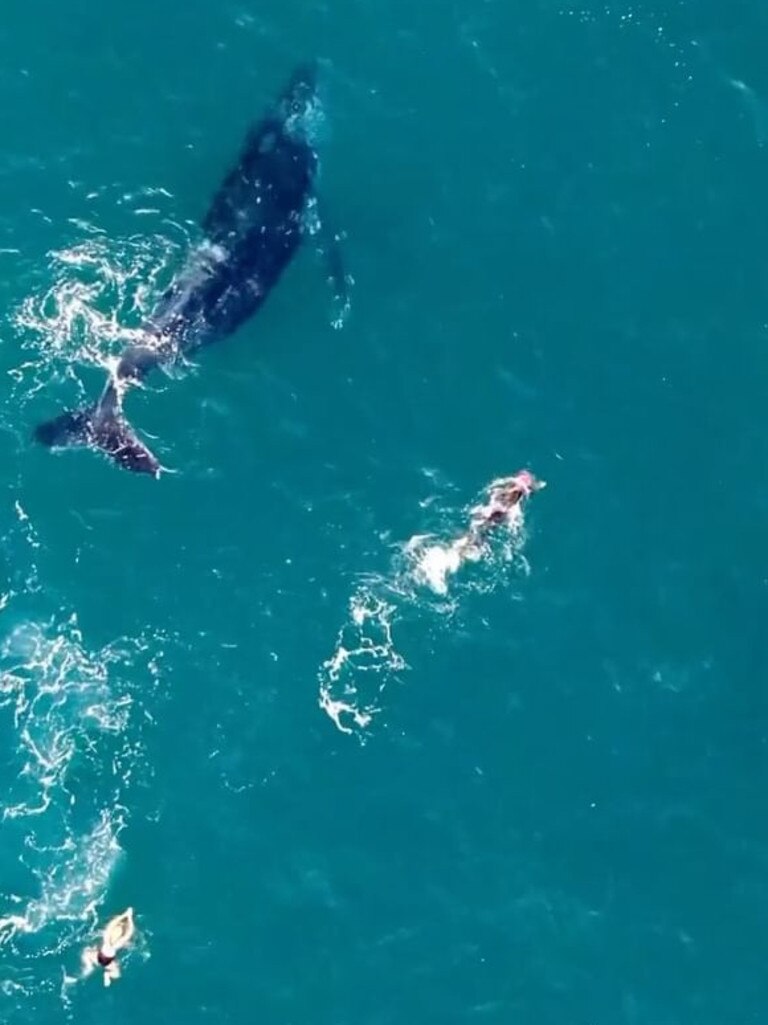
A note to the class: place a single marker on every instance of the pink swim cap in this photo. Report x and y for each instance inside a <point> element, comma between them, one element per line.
<point>526,480</point>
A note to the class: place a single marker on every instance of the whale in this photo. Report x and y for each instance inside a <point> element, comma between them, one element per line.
<point>265,207</point>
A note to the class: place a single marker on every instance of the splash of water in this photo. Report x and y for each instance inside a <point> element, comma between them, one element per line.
<point>424,577</point>
<point>56,693</point>
<point>74,884</point>
<point>69,718</point>
<point>101,291</point>
<point>432,562</point>
<point>364,645</point>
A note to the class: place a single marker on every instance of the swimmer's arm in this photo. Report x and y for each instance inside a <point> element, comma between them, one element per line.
<point>477,519</point>
<point>89,960</point>
<point>479,526</point>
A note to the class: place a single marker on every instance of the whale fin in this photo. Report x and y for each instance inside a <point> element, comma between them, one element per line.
<point>329,248</point>
<point>103,427</point>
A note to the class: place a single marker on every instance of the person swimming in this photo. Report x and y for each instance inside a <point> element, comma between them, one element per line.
<point>505,497</point>
<point>503,508</point>
<point>117,934</point>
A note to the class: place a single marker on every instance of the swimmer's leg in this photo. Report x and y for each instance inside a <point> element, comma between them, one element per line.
<point>111,973</point>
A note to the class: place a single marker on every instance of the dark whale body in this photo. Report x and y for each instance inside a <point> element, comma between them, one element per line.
<point>252,230</point>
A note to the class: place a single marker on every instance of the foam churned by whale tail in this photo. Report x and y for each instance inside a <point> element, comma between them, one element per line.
<point>101,426</point>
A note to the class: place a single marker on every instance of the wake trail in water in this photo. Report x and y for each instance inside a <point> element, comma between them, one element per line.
<point>424,577</point>
<point>66,716</point>
<point>72,726</point>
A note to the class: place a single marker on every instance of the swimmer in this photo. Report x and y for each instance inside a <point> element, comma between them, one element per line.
<point>117,934</point>
<point>504,507</point>
<point>505,496</point>
<point>437,562</point>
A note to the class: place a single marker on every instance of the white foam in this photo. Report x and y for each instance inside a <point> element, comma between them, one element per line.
<point>435,564</point>
<point>75,880</point>
<point>98,292</point>
<point>365,659</point>
<point>364,646</point>
<point>68,715</point>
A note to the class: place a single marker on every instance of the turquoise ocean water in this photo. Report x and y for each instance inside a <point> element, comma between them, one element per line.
<point>556,221</point>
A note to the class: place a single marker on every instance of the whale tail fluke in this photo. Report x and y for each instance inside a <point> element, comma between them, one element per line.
<point>103,427</point>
